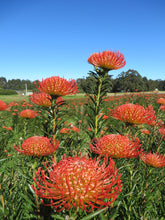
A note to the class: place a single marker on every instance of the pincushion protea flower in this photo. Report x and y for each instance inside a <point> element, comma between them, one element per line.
<point>116,146</point>
<point>162,107</point>
<point>38,146</point>
<point>42,99</point>
<point>108,60</point>
<point>78,182</point>
<point>28,113</point>
<point>162,131</point>
<point>3,106</point>
<point>135,114</point>
<point>161,101</point>
<point>57,86</point>
<point>153,159</point>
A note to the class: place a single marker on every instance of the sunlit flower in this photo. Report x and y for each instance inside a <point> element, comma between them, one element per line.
<point>162,107</point>
<point>57,86</point>
<point>37,146</point>
<point>65,131</point>
<point>161,101</point>
<point>108,60</point>
<point>135,114</point>
<point>42,99</point>
<point>116,146</point>
<point>162,131</point>
<point>153,159</point>
<point>75,129</point>
<point>145,131</point>
<point>7,128</point>
<point>3,106</point>
<point>78,182</point>
<point>28,113</point>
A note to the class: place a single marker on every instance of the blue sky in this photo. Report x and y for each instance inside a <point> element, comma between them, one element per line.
<point>42,38</point>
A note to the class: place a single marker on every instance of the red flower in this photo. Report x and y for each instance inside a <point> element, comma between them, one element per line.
<point>162,131</point>
<point>75,129</point>
<point>155,159</point>
<point>57,86</point>
<point>7,128</point>
<point>27,113</point>
<point>161,101</point>
<point>78,182</point>
<point>116,146</point>
<point>3,106</point>
<point>42,99</point>
<point>65,131</point>
<point>37,146</point>
<point>162,107</point>
<point>134,114</point>
<point>108,60</point>
<point>145,131</point>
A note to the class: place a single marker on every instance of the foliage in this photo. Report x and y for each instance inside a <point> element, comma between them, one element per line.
<point>7,92</point>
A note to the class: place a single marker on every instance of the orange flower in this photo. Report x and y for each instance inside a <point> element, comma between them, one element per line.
<point>161,101</point>
<point>78,182</point>
<point>3,106</point>
<point>65,131</point>
<point>57,86</point>
<point>37,146</point>
<point>162,131</point>
<point>42,99</point>
<point>75,129</point>
<point>108,60</point>
<point>7,128</point>
<point>145,131</point>
<point>116,146</point>
<point>27,113</point>
<point>134,114</point>
<point>155,159</point>
<point>162,107</point>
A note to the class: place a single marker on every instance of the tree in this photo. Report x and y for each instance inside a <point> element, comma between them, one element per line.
<point>129,81</point>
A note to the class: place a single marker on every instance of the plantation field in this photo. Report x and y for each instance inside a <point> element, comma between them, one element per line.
<point>19,97</point>
<point>60,160</point>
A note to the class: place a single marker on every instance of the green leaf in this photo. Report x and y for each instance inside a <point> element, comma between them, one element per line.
<point>92,215</point>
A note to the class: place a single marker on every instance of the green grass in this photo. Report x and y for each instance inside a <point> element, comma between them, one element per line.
<point>19,97</point>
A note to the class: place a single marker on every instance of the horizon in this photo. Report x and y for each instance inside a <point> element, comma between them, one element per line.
<point>40,39</point>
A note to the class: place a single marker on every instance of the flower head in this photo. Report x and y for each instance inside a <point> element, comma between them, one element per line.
<point>162,131</point>
<point>28,113</point>
<point>145,131</point>
<point>78,182</point>
<point>108,60</point>
<point>57,86</point>
<point>134,114</point>
<point>153,159</point>
<point>161,101</point>
<point>37,146</point>
<point>3,106</point>
<point>116,146</point>
<point>42,99</point>
<point>162,107</point>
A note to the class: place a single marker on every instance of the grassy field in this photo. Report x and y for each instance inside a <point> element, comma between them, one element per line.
<point>19,97</point>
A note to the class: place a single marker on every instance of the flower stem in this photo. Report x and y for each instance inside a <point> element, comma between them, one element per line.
<point>101,79</point>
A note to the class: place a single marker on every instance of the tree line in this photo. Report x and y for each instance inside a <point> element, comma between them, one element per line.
<point>129,81</point>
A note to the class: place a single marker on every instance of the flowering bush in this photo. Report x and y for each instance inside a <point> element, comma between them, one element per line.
<point>46,180</point>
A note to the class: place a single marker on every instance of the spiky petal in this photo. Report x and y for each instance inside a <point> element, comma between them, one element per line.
<point>134,114</point>
<point>42,99</point>
<point>153,159</point>
<point>38,146</point>
<point>78,182</point>
<point>57,86</point>
<point>28,113</point>
<point>116,146</point>
<point>110,60</point>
